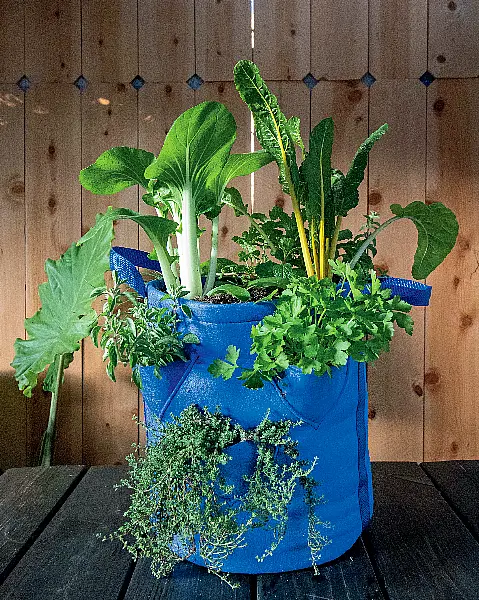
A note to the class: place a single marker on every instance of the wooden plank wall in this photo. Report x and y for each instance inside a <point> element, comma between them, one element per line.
<point>423,395</point>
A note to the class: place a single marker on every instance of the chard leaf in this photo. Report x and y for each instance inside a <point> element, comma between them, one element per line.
<point>66,315</point>
<point>194,153</point>
<point>267,282</point>
<point>232,290</point>
<point>117,169</point>
<point>294,128</point>
<point>437,230</point>
<point>316,170</point>
<point>271,125</point>
<point>347,188</point>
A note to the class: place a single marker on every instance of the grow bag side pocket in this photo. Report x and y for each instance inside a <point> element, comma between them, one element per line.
<point>311,397</point>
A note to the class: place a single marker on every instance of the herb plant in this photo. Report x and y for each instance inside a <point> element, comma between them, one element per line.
<point>181,502</point>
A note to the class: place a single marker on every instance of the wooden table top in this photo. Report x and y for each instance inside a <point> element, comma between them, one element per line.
<point>423,542</point>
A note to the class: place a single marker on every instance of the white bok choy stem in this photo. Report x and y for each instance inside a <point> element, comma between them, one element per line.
<point>210,282</point>
<point>189,257</point>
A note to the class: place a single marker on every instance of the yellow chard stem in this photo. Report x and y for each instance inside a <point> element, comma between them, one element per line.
<point>334,242</point>
<point>313,245</point>
<point>322,248</point>
<point>326,256</point>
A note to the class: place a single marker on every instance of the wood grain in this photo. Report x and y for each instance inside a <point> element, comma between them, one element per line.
<point>396,175</point>
<point>108,407</point>
<point>109,40</point>
<point>11,40</point>
<point>53,40</point>
<point>166,32</point>
<point>452,324</point>
<point>454,38</point>
<point>53,222</point>
<point>68,559</point>
<point>12,272</point>
<point>339,39</point>
<point>418,544</point>
<point>397,38</point>
<point>222,37</point>
<point>28,499</point>
<point>282,38</point>
<point>350,577</point>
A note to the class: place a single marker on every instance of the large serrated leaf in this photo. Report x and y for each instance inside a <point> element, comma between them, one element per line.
<point>437,230</point>
<point>66,315</point>
<point>117,169</point>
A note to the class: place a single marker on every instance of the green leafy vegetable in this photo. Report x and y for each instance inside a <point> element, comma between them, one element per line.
<point>117,169</point>
<point>232,290</point>
<point>66,315</point>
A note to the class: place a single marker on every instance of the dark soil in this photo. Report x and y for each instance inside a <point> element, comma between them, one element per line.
<point>256,295</point>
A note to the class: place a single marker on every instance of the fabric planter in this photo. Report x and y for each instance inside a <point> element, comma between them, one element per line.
<point>333,411</point>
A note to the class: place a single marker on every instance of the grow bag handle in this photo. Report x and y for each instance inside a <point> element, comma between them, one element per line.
<point>125,261</point>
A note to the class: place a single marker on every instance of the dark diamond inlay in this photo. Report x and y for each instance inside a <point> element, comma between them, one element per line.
<point>81,83</point>
<point>368,79</point>
<point>24,83</point>
<point>138,82</point>
<point>427,78</point>
<point>195,82</point>
<point>310,81</point>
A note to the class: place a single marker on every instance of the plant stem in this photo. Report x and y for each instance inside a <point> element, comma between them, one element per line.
<point>322,249</point>
<point>369,239</point>
<point>48,440</point>
<point>169,277</point>
<point>189,256</point>
<point>210,282</point>
<point>313,247</point>
<point>334,241</point>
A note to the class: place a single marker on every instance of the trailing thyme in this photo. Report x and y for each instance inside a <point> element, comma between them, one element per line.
<point>182,504</point>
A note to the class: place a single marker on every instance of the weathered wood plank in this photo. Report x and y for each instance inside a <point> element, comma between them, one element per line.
<point>419,545</point>
<point>166,33</point>
<point>187,581</point>
<point>282,38</point>
<point>454,38</point>
<point>452,323</point>
<point>397,38</point>
<point>53,40</point>
<point>222,37</point>
<point>109,40</point>
<point>12,42</point>
<point>396,175</point>
<point>68,559</point>
<point>339,39</point>
<point>53,222</point>
<point>225,92</point>
<point>350,577</point>
<point>28,499</point>
<point>12,272</point>
<point>109,118</point>
<point>458,482</point>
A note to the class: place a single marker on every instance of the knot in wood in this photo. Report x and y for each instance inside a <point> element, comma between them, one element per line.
<point>355,96</point>
<point>375,197</point>
<point>431,377</point>
<point>439,105</point>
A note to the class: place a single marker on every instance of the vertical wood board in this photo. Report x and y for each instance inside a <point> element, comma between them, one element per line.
<point>53,40</point>
<point>166,33</point>
<point>12,272</point>
<point>109,40</point>
<point>452,320</point>
<point>53,222</point>
<point>396,175</point>
<point>339,39</point>
<point>108,407</point>
<point>397,38</point>
<point>222,37</point>
<point>282,38</point>
<point>12,40</point>
<point>454,38</point>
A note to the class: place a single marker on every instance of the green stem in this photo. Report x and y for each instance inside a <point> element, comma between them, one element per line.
<point>210,282</point>
<point>261,231</point>
<point>190,274</point>
<point>48,440</point>
<point>169,277</point>
<point>334,241</point>
<point>369,239</point>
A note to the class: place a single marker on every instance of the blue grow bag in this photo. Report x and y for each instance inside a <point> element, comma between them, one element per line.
<point>333,411</point>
